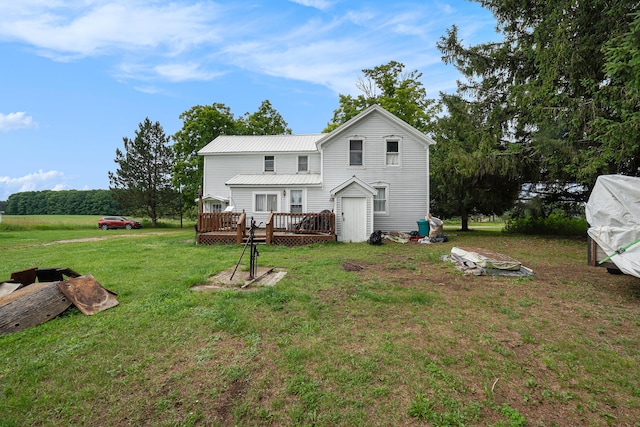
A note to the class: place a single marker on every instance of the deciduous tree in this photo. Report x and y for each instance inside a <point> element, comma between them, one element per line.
<point>265,121</point>
<point>397,91</point>
<point>201,125</point>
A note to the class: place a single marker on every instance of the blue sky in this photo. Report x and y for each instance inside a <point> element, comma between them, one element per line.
<point>78,76</point>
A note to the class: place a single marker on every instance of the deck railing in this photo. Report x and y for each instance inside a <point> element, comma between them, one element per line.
<point>223,221</point>
<point>291,228</point>
<point>300,223</point>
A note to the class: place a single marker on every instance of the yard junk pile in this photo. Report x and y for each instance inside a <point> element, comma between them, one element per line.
<point>613,214</point>
<point>436,231</point>
<point>25,302</point>
<point>483,262</point>
<point>397,236</point>
<point>377,237</point>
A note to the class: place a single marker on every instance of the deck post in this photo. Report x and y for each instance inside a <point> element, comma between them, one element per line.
<point>199,209</point>
<point>269,229</point>
<point>240,227</point>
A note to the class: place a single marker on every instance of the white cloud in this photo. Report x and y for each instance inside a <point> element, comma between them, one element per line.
<point>200,40</point>
<point>318,4</point>
<point>97,27</point>
<point>36,181</point>
<point>171,72</point>
<point>17,120</point>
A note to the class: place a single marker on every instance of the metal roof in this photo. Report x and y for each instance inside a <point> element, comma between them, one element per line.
<point>262,144</point>
<point>275,180</point>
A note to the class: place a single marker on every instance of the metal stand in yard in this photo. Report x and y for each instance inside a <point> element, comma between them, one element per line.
<point>253,253</point>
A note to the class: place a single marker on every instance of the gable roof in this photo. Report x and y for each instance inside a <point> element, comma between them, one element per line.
<point>305,143</point>
<point>230,144</point>
<point>354,180</point>
<point>375,109</point>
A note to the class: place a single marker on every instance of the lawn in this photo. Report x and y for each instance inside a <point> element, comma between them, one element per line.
<point>352,335</point>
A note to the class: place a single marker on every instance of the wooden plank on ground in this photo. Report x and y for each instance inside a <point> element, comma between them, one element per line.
<point>30,306</point>
<point>87,294</point>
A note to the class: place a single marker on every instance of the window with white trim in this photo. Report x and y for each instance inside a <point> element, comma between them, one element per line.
<point>356,151</point>
<point>380,199</point>
<point>393,152</point>
<point>295,201</point>
<point>303,163</point>
<point>269,164</point>
<point>266,202</point>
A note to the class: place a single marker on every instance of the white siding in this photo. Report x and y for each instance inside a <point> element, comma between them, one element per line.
<point>407,183</point>
<point>407,197</point>
<point>218,169</point>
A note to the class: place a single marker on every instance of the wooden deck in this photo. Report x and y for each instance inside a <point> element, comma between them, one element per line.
<point>281,229</point>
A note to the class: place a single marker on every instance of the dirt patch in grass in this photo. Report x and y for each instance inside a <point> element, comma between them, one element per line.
<point>536,327</point>
<point>352,266</point>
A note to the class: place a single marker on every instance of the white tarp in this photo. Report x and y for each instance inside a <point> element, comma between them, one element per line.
<point>613,213</point>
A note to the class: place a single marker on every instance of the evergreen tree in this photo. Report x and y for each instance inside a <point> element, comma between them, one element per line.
<point>142,181</point>
<point>472,170</point>
<point>557,85</point>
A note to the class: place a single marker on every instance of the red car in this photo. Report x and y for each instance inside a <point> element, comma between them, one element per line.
<point>108,222</point>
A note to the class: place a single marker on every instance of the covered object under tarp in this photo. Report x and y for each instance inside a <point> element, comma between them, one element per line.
<point>613,214</point>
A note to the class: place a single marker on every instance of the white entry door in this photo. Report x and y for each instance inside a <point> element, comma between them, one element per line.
<point>354,219</point>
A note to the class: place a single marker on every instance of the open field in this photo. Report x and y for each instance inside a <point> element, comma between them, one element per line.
<point>352,335</point>
<point>70,222</point>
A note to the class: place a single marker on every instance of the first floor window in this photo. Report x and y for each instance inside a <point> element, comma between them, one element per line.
<point>380,200</point>
<point>215,207</point>
<point>295,201</point>
<point>266,202</point>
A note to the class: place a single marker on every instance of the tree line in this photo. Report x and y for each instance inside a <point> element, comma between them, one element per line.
<point>65,202</point>
<point>549,108</point>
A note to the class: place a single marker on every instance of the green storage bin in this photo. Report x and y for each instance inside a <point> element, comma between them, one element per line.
<point>423,227</point>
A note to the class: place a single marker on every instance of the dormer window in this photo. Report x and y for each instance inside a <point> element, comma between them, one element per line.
<point>269,164</point>
<point>356,150</point>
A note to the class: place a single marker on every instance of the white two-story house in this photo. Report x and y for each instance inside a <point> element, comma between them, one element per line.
<point>372,172</point>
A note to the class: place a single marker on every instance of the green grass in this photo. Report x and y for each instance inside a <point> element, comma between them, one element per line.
<point>408,340</point>
<point>72,222</point>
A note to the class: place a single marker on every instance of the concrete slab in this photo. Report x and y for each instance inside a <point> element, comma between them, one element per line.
<point>265,276</point>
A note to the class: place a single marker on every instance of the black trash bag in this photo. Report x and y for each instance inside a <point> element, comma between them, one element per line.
<point>375,238</point>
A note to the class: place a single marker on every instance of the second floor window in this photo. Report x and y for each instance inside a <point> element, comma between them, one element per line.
<point>355,152</point>
<point>269,164</point>
<point>393,151</point>
<point>303,164</point>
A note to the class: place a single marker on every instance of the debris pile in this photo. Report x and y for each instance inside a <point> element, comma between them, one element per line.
<point>481,262</point>
<point>25,302</point>
<point>436,231</point>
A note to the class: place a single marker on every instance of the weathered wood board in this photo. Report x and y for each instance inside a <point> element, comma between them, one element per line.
<point>30,306</point>
<point>87,294</point>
